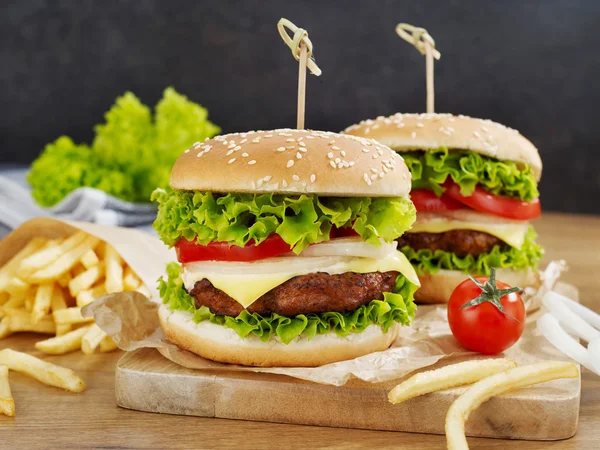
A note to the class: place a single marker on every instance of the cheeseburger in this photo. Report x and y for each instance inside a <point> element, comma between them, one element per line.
<point>287,248</point>
<point>474,185</point>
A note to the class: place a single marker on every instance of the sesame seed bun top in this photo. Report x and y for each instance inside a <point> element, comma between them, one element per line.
<point>406,132</point>
<point>292,161</point>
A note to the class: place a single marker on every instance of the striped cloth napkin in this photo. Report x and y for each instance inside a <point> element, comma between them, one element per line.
<point>86,204</point>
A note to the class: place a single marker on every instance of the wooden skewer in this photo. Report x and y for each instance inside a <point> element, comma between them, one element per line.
<point>429,77</point>
<point>301,86</point>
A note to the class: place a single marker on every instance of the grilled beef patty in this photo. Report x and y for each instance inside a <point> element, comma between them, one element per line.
<point>460,242</point>
<point>313,293</point>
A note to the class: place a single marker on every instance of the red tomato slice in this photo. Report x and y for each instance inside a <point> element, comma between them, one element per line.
<point>426,201</point>
<point>483,201</point>
<point>342,232</point>
<point>189,251</point>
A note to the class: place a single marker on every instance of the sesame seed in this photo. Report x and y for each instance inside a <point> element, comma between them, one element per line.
<point>313,177</point>
<point>484,129</point>
<point>335,147</point>
<point>187,151</point>
<point>291,147</point>
<point>232,145</point>
<point>231,161</point>
<point>281,149</point>
<point>381,174</point>
<point>301,144</point>
<point>367,130</point>
<point>414,134</point>
<point>245,155</point>
<point>229,153</point>
<point>243,141</point>
<point>303,150</point>
<point>330,155</point>
<point>295,177</point>
<point>337,160</point>
<point>251,162</point>
<point>332,164</point>
<point>351,163</point>
<point>256,140</point>
<point>298,155</point>
<point>207,148</point>
<point>253,185</point>
<point>284,183</point>
<point>199,154</point>
<point>237,148</point>
<point>367,179</point>
<point>340,165</point>
<point>343,153</point>
<point>268,135</point>
<point>267,178</point>
<point>375,156</point>
<point>309,137</point>
<point>374,176</point>
<point>374,170</point>
<point>196,144</point>
<point>420,125</point>
<point>365,150</point>
<point>290,140</point>
<point>290,163</point>
<point>259,182</point>
<point>331,142</point>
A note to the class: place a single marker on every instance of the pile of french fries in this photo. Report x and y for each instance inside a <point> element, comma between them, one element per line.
<point>44,286</point>
<point>487,378</point>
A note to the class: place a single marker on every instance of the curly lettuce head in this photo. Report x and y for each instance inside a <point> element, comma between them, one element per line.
<point>300,220</point>
<point>396,307</point>
<point>132,152</point>
<point>430,170</point>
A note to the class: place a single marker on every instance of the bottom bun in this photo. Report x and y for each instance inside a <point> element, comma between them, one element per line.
<point>437,288</point>
<point>219,343</point>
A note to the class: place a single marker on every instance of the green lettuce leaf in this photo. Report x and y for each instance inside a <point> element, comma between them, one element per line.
<point>132,152</point>
<point>529,255</point>
<point>65,166</point>
<point>397,306</point>
<point>300,221</point>
<point>505,178</point>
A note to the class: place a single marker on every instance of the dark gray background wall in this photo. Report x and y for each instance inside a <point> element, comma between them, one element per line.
<point>532,65</point>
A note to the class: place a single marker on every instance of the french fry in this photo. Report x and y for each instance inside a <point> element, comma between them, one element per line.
<point>44,372</point>
<point>70,316</point>
<point>63,280</point>
<point>86,279</point>
<point>16,287</point>
<point>92,339</point>
<point>107,345</point>
<point>43,300</point>
<point>14,302</point>
<point>498,384</point>
<point>85,298</point>
<point>7,403</point>
<point>12,264</point>
<point>5,330</point>
<point>59,302</point>
<point>448,377</point>
<point>130,280</point>
<point>114,270</point>
<point>20,323</point>
<point>45,257</point>
<point>65,263</point>
<point>90,259</point>
<point>4,297</point>
<point>66,343</point>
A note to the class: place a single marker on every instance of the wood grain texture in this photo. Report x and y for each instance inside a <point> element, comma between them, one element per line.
<point>48,418</point>
<point>146,381</point>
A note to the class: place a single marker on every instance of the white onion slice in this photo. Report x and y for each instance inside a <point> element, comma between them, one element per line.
<point>267,266</point>
<point>351,246</point>
<point>575,324</point>
<point>550,328</point>
<point>594,354</point>
<point>586,314</point>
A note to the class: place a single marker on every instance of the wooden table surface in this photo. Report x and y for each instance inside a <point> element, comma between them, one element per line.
<point>49,418</point>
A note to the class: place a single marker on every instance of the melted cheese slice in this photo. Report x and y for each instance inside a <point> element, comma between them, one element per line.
<point>511,233</point>
<point>246,282</point>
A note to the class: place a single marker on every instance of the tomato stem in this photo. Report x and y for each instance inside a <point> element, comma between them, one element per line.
<point>490,293</point>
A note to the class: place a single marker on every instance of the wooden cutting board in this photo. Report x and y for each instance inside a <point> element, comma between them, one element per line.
<point>146,381</point>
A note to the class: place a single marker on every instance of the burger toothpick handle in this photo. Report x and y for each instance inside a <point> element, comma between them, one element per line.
<point>420,38</point>
<point>301,47</point>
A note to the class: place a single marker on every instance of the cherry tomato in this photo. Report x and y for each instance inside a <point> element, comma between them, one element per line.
<point>481,200</point>
<point>426,201</point>
<point>188,251</point>
<point>483,327</point>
